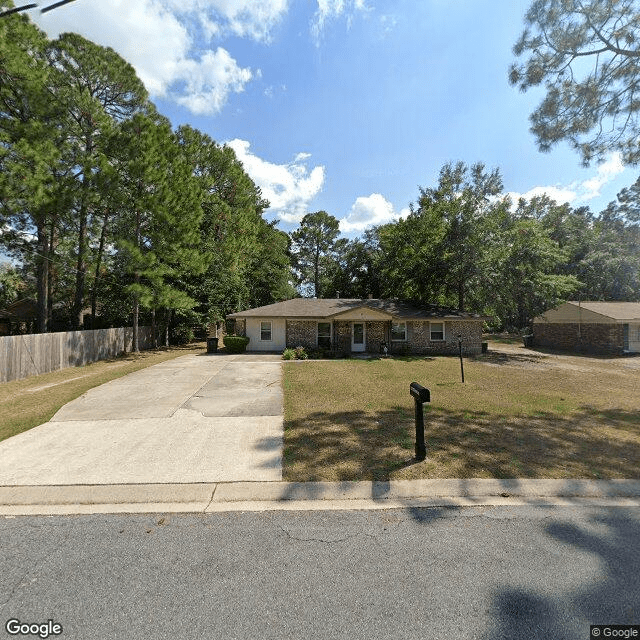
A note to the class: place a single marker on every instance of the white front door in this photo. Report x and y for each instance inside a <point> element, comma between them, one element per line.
<point>357,336</point>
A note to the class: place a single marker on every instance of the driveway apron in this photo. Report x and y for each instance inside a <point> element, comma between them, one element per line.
<point>197,418</point>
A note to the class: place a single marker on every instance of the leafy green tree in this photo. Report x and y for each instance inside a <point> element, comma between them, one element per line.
<point>31,193</point>
<point>441,253</point>
<point>96,88</point>
<point>585,53</point>
<point>411,264</point>
<point>13,284</point>
<point>269,276</point>
<point>529,264</point>
<point>355,273</point>
<point>248,262</point>
<point>614,261</point>
<point>315,245</point>
<point>158,234</point>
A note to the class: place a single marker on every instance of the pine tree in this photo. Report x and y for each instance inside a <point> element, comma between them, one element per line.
<point>158,234</point>
<point>30,185</point>
<point>96,88</point>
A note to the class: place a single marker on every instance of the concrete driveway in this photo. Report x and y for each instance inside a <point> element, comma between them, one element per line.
<point>198,418</point>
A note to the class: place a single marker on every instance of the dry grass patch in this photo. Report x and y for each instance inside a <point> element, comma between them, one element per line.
<point>26,403</point>
<point>520,414</point>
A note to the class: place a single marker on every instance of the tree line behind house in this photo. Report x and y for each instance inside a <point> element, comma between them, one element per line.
<point>466,245</point>
<point>111,217</point>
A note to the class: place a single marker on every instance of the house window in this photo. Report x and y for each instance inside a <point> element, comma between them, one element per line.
<point>436,330</point>
<point>398,331</point>
<point>324,335</point>
<point>265,331</point>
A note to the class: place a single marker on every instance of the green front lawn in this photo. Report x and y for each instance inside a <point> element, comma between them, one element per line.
<point>516,416</point>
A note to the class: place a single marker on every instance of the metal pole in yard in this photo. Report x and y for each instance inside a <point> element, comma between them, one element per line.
<point>460,350</point>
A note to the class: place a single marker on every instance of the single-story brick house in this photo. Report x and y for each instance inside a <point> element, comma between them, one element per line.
<point>595,327</point>
<point>354,325</point>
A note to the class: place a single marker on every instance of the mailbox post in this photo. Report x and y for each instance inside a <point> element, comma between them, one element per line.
<point>420,395</point>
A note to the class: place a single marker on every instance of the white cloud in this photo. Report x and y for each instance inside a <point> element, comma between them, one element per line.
<point>368,211</point>
<point>162,40</point>
<point>559,194</point>
<point>170,42</point>
<point>289,188</point>
<point>330,10</point>
<point>209,81</point>
<point>578,192</point>
<point>607,171</point>
<point>245,18</point>
<point>271,90</point>
<point>388,23</point>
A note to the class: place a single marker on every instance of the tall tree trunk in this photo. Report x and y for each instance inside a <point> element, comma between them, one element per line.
<point>135,347</point>
<point>52,272</point>
<point>42,278</point>
<point>166,327</point>
<point>461,295</point>
<point>316,275</point>
<point>96,277</point>
<point>136,307</point>
<point>153,328</point>
<point>81,266</point>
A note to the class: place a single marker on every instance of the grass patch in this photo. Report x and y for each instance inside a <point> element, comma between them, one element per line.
<point>516,416</point>
<point>27,403</point>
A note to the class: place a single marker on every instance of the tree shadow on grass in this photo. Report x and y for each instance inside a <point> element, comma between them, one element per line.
<point>613,600</point>
<point>359,445</point>
<point>507,358</point>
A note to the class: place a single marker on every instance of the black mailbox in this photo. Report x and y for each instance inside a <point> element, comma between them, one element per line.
<point>419,392</point>
<point>420,395</point>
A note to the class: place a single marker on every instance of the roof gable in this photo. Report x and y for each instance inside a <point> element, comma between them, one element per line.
<point>362,312</point>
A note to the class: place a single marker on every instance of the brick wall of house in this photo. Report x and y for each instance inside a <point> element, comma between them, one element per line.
<point>301,333</point>
<point>593,338</point>
<point>419,338</point>
<point>375,336</point>
<point>342,336</point>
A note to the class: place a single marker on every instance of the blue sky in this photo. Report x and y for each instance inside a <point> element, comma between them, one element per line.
<point>344,105</point>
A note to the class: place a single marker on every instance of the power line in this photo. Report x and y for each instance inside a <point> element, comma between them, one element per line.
<point>55,5</point>
<point>26,7</point>
<point>9,12</point>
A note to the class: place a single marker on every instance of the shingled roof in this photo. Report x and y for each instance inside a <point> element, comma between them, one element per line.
<point>615,310</point>
<point>329,307</point>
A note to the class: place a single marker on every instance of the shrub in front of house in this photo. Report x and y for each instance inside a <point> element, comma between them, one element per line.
<point>235,344</point>
<point>298,353</point>
<point>301,354</point>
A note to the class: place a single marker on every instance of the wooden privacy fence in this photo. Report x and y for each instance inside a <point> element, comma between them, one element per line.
<point>29,355</point>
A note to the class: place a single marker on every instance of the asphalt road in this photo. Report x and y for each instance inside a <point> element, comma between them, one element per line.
<point>487,572</point>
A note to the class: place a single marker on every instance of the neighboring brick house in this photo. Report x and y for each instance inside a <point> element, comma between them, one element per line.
<point>353,326</point>
<point>593,327</point>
